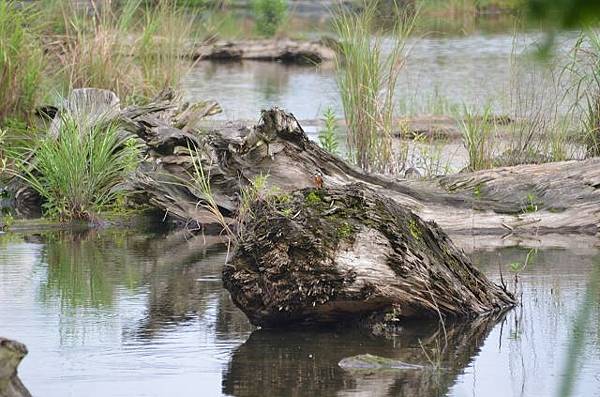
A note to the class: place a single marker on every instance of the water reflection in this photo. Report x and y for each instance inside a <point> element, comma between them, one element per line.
<point>126,313</point>
<point>305,363</point>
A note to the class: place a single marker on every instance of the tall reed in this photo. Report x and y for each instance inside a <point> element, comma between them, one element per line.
<point>167,33</point>
<point>368,67</point>
<point>585,67</point>
<point>21,59</point>
<point>97,48</point>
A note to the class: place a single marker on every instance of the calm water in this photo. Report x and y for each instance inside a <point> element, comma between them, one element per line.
<point>144,314</point>
<point>442,73</point>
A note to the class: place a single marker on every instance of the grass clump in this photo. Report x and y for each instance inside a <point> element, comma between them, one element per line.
<point>78,172</point>
<point>477,138</point>
<point>367,75</point>
<point>327,136</point>
<point>21,60</point>
<point>269,15</point>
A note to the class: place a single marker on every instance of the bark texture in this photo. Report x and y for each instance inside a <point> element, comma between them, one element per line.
<point>11,354</point>
<point>329,255</point>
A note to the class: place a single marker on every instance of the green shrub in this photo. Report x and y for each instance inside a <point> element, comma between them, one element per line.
<point>77,173</point>
<point>21,60</point>
<point>269,15</point>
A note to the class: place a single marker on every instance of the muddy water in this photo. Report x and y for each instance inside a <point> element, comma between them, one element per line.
<point>144,314</point>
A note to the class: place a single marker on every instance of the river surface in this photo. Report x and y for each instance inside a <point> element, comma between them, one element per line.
<point>443,73</point>
<point>123,313</point>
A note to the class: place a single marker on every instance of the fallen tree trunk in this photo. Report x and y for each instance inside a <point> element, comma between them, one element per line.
<point>327,255</point>
<point>530,199</point>
<point>284,50</point>
<point>11,354</point>
<point>523,200</point>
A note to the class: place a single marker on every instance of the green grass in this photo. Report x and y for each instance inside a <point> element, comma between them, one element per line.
<point>477,137</point>
<point>21,60</point>
<point>367,75</point>
<point>328,135</point>
<point>77,174</point>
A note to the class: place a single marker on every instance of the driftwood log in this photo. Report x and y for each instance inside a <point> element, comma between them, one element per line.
<point>11,354</point>
<point>561,197</point>
<point>527,200</point>
<point>327,255</point>
<point>284,50</point>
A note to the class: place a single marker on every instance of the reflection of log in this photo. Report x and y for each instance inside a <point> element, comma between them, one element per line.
<point>294,363</point>
<point>285,50</point>
<point>11,354</point>
<point>325,255</point>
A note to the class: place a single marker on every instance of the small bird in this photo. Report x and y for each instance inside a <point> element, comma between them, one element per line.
<point>318,180</point>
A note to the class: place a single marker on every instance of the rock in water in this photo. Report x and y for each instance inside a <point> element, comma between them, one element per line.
<point>336,254</point>
<point>369,361</point>
<point>11,354</point>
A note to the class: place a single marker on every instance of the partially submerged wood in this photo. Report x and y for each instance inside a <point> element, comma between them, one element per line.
<point>329,255</point>
<point>285,50</point>
<point>565,195</point>
<point>11,354</point>
<point>524,200</point>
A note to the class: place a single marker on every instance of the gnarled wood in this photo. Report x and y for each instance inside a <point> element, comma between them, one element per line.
<point>530,199</point>
<point>327,255</point>
<point>523,200</point>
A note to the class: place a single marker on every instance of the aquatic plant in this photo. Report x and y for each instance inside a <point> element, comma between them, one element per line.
<point>3,159</point>
<point>132,50</point>
<point>367,74</point>
<point>327,136</point>
<point>21,59</point>
<point>269,15</point>
<point>477,138</point>
<point>78,172</point>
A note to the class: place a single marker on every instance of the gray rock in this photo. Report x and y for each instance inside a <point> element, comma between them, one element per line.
<point>369,361</point>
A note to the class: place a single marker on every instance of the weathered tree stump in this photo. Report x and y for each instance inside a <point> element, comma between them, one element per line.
<point>329,255</point>
<point>11,354</point>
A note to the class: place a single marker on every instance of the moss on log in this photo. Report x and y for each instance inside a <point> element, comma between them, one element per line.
<point>330,255</point>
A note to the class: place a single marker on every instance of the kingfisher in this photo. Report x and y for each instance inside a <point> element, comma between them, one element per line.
<point>318,180</point>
